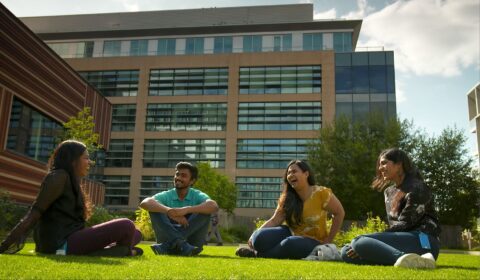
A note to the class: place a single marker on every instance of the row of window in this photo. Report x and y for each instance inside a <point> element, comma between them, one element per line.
<point>197,81</point>
<point>31,133</point>
<point>337,41</point>
<point>186,117</point>
<point>209,81</point>
<point>213,116</point>
<point>166,153</point>
<point>253,192</point>
<point>280,80</point>
<point>364,72</point>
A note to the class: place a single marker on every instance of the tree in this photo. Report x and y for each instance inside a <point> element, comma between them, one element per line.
<point>217,186</point>
<point>450,174</point>
<point>344,155</point>
<point>81,128</point>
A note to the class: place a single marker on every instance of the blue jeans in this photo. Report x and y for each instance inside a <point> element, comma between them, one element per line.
<point>166,230</point>
<point>278,243</point>
<point>384,248</point>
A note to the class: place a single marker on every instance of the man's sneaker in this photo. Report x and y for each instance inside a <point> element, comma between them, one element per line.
<point>184,248</point>
<point>245,252</point>
<point>164,248</point>
<point>416,261</point>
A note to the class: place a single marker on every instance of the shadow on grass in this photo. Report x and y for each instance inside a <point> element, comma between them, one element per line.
<point>78,259</point>
<point>215,257</point>
<point>457,267</point>
<point>85,259</point>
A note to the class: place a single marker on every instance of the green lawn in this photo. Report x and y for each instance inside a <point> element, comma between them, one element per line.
<point>218,262</point>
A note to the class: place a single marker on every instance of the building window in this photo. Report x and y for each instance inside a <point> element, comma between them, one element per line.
<point>280,116</point>
<point>151,185</point>
<point>73,50</point>
<point>117,189</point>
<point>194,45</point>
<point>252,43</point>
<point>279,80</point>
<point>113,83</point>
<point>364,83</point>
<point>138,47</point>
<point>282,43</point>
<point>186,117</point>
<point>269,153</point>
<point>258,192</point>
<point>196,81</point>
<point>31,133</point>
<point>312,42</point>
<point>166,153</point>
<point>120,153</point>
<point>166,46</point>
<point>98,157</point>
<point>123,117</point>
<point>112,48</point>
<point>223,44</point>
<point>342,41</point>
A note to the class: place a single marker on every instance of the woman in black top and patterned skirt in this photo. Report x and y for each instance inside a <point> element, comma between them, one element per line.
<point>412,237</point>
<point>60,210</point>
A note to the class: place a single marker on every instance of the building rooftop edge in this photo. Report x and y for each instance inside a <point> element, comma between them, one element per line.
<point>175,10</point>
<point>471,90</point>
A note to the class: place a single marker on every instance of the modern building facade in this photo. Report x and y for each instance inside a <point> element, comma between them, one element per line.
<point>244,88</point>
<point>473,97</point>
<point>38,92</point>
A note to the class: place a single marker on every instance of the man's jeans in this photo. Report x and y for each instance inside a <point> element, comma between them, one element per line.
<point>167,231</point>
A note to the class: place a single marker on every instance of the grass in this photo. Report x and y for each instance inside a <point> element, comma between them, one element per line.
<point>217,262</point>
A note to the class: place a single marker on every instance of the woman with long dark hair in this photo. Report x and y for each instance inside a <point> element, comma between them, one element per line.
<point>303,206</point>
<point>412,237</point>
<point>59,213</point>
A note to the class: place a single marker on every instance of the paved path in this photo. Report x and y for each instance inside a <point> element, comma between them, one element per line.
<point>452,251</point>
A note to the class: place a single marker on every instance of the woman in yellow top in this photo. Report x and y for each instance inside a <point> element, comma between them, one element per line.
<point>303,206</point>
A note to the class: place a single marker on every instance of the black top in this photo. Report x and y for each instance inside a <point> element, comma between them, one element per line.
<point>61,206</point>
<point>416,210</point>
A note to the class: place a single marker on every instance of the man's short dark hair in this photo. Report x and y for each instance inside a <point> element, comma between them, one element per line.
<point>187,165</point>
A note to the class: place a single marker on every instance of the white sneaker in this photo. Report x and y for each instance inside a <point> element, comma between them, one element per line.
<point>426,261</point>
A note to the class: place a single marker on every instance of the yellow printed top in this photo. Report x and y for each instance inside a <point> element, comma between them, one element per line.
<point>314,214</point>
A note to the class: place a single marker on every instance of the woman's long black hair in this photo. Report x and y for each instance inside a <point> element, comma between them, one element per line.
<point>63,157</point>
<point>289,200</point>
<point>396,156</point>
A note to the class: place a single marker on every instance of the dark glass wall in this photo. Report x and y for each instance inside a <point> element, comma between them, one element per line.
<point>365,83</point>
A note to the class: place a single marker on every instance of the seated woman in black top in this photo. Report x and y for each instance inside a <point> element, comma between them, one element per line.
<point>61,208</point>
<point>412,237</point>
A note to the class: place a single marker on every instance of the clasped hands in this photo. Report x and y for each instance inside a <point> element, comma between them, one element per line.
<point>178,215</point>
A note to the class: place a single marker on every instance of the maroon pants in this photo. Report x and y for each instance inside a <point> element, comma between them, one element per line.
<point>114,232</point>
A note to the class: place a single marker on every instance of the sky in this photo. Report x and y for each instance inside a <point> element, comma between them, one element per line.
<point>436,45</point>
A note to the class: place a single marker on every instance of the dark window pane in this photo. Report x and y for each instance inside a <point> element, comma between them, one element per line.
<point>31,133</point>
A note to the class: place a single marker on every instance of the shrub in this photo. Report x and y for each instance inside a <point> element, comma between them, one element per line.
<point>144,224</point>
<point>100,215</point>
<point>235,234</point>
<point>10,212</point>
<point>258,223</point>
<point>372,225</point>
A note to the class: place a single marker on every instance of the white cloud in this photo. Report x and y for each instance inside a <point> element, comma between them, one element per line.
<point>429,37</point>
<point>330,14</point>
<point>399,91</point>
<point>361,12</point>
<point>130,5</point>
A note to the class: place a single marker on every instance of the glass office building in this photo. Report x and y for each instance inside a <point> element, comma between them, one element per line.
<point>245,88</point>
